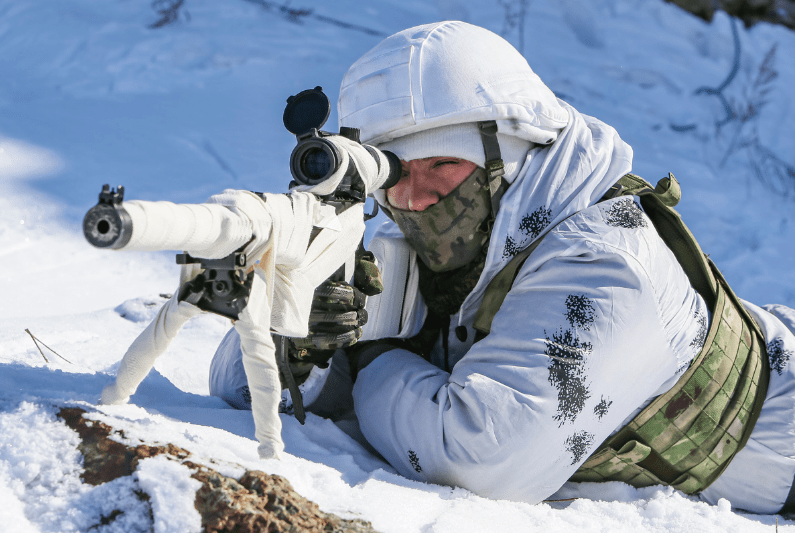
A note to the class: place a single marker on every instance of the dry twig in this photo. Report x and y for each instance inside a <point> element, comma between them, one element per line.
<point>37,341</point>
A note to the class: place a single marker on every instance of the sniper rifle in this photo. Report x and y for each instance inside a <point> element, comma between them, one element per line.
<point>223,285</point>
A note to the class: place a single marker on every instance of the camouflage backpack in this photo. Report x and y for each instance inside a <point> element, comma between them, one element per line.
<point>686,437</point>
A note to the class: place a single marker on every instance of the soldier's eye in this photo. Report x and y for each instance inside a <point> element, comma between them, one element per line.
<point>443,162</point>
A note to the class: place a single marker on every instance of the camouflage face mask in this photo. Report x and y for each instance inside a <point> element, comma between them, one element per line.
<point>452,232</point>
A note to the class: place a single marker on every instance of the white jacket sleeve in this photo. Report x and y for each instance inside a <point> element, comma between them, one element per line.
<point>577,346</point>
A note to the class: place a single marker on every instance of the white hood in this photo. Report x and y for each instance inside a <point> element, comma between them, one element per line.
<point>452,73</point>
<point>446,73</point>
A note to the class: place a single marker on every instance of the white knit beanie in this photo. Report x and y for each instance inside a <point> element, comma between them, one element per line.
<point>462,141</point>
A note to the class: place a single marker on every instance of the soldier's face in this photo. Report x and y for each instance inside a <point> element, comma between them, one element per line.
<point>426,181</point>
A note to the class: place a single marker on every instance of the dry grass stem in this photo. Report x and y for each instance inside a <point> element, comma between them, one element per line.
<point>36,341</point>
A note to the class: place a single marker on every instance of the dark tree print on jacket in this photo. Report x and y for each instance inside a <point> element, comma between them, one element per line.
<point>625,213</point>
<point>511,248</point>
<point>567,374</point>
<point>580,312</point>
<point>602,407</point>
<point>415,461</point>
<point>779,357</point>
<point>567,354</point>
<point>701,335</point>
<point>578,445</point>
<point>531,226</point>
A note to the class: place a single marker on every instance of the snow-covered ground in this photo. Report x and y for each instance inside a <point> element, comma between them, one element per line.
<point>89,94</point>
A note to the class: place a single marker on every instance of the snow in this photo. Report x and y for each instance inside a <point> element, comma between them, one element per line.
<point>172,493</point>
<point>89,94</point>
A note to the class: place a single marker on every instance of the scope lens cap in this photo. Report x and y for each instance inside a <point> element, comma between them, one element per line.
<point>306,110</point>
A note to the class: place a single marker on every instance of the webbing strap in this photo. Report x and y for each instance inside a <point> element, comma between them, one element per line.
<point>657,203</point>
<point>498,289</point>
<point>687,436</point>
<point>495,168</point>
<point>700,270</point>
<point>666,461</point>
<point>639,454</point>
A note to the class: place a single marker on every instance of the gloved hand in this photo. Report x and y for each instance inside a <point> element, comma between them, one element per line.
<point>366,352</point>
<point>336,319</point>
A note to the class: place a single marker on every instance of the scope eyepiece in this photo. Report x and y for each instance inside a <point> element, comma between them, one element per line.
<point>314,160</point>
<point>395,170</point>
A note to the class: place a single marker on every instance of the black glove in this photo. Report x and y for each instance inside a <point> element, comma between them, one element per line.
<point>364,353</point>
<point>336,318</point>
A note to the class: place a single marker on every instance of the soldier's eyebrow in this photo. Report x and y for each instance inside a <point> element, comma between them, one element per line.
<point>446,162</point>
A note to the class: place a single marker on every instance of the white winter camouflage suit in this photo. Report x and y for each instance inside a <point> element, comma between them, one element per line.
<point>512,420</point>
<point>505,423</point>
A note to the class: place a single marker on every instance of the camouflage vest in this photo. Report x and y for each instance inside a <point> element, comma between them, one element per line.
<point>686,437</point>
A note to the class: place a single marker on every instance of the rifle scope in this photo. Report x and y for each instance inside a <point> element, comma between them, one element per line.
<point>316,159</point>
<point>197,228</point>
